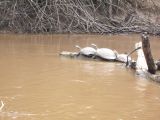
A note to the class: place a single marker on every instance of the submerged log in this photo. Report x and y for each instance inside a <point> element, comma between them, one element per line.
<point>148,54</point>
<point>69,54</point>
<point>153,77</point>
<point>76,55</point>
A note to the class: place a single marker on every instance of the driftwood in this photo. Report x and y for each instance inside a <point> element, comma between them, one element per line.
<point>145,48</point>
<point>69,54</point>
<point>148,54</point>
<point>76,55</point>
<point>151,73</point>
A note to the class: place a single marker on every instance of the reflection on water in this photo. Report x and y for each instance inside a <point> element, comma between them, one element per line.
<point>36,83</point>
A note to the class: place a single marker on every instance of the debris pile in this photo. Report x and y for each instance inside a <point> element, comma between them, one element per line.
<point>143,65</point>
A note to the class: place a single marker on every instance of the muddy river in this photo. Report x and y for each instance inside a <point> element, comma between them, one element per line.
<point>37,84</point>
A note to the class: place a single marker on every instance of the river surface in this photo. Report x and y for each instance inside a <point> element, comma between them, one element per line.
<point>37,84</point>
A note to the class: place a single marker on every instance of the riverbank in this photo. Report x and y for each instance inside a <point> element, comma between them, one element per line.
<point>90,16</point>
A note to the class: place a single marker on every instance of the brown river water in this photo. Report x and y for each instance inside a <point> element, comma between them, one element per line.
<point>37,84</point>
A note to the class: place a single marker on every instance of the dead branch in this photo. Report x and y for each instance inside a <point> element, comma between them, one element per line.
<point>61,16</point>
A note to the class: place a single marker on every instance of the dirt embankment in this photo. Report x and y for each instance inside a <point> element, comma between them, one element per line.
<point>80,16</point>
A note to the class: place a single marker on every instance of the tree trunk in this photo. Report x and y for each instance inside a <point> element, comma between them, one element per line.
<point>148,54</point>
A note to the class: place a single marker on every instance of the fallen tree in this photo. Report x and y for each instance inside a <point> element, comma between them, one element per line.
<point>144,65</point>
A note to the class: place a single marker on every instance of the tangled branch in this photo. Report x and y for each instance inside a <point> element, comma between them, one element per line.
<point>78,16</point>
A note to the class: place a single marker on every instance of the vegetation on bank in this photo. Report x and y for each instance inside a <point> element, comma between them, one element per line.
<point>80,16</point>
